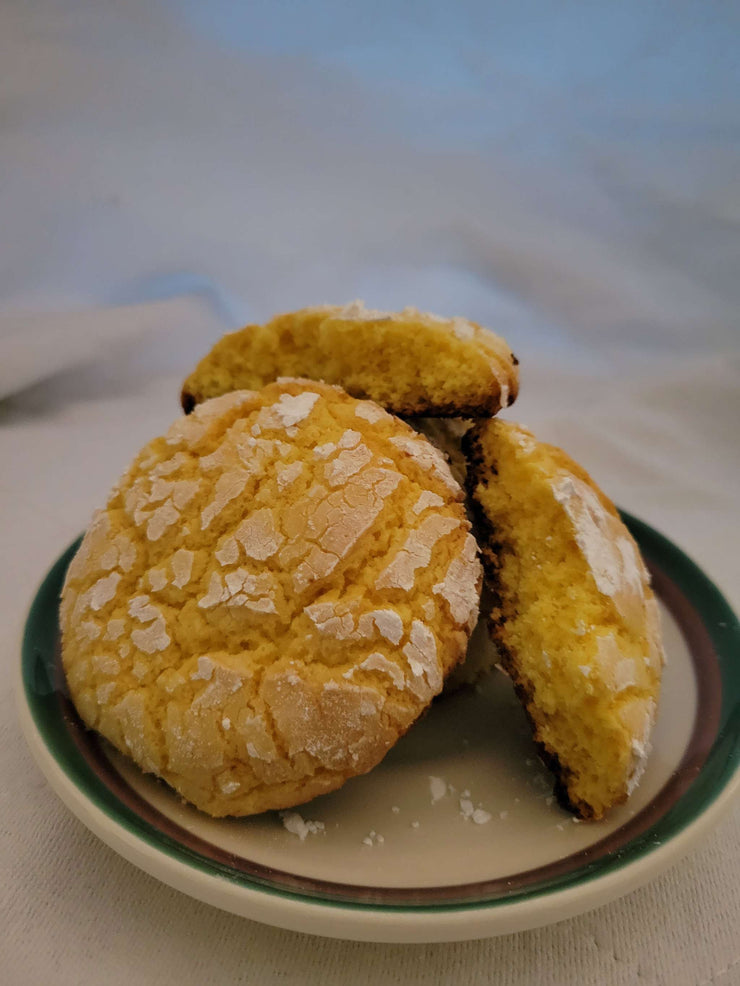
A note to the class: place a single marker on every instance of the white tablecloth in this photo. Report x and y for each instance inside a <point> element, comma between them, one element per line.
<point>169,170</point>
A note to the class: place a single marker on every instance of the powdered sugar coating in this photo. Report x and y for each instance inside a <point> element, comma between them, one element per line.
<point>370,411</point>
<point>290,410</point>
<point>416,552</point>
<point>228,487</point>
<point>379,662</point>
<point>258,535</point>
<point>638,715</point>
<point>612,557</point>
<point>617,671</point>
<point>349,439</point>
<point>427,499</point>
<point>104,590</point>
<point>342,622</point>
<point>421,654</point>
<point>288,474</point>
<point>459,586</point>
<point>346,464</point>
<point>462,328</point>
<point>182,567</point>
<point>429,458</point>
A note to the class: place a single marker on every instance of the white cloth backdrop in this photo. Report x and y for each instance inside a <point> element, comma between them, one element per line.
<point>565,173</point>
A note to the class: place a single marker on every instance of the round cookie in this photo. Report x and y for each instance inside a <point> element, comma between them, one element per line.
<point>273,593</point>
<point>573,614</point>
<point>410,362</point>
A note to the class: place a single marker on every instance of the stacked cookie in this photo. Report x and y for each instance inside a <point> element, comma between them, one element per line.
<point>280,585</point>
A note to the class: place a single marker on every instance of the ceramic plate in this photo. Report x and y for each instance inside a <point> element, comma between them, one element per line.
<point>455,835</point>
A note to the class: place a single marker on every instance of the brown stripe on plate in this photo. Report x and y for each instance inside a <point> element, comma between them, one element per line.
<point>709,701</point>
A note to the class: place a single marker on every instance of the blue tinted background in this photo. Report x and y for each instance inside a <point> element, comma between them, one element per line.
<point>566,172</point>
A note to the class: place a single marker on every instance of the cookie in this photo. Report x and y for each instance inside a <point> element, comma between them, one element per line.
<point>410,362</point>
<point>271,596</point>
<point>573,614</point>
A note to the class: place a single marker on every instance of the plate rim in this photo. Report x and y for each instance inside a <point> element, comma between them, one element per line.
<point>403,922</point>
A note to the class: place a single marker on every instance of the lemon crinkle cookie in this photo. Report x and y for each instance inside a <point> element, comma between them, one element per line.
<point>573,614</point>
<point>410,362</point>
<point>271,596</point>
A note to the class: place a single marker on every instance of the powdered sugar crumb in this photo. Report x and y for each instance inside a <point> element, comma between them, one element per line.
<point>297,825</point>
<point>466,807</point>
<point>479,816</point>
<point>437,788</point>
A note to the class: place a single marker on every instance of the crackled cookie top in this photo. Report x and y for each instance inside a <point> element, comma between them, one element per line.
<point>573,613</point>
<point>410,362</point>
<point>274,591</point>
